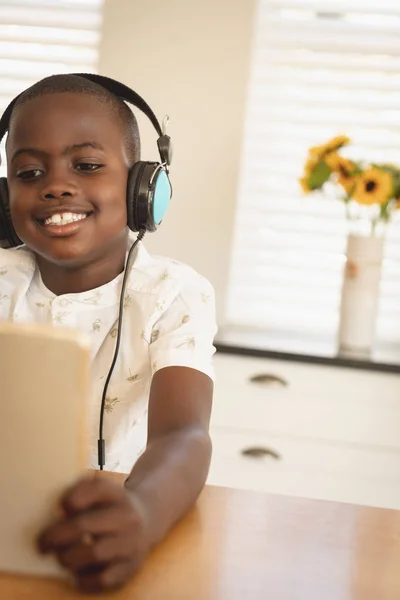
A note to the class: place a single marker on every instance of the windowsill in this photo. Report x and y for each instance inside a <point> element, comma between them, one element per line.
<point>316,350</point>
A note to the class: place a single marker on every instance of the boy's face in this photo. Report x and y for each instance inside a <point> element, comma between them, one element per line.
<point>67,170</point>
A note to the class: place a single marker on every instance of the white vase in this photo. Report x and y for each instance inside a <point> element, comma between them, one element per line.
<point>360,295</point>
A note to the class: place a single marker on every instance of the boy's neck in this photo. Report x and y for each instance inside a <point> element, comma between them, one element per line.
<point>74,280</point>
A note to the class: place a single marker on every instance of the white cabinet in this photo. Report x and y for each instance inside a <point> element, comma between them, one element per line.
<point>337,431</point>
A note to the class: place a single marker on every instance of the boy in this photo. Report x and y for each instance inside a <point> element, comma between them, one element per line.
<point>69,149</point>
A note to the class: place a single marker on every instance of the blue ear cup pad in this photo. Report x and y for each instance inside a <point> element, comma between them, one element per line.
<point>8,235</point>
<point>148,196</point>
<point>161,195</point>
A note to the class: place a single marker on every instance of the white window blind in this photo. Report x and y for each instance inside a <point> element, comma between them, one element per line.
<point>45,37</point>
<point>319,68</point>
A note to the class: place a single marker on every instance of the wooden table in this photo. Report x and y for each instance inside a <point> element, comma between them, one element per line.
<point>239,545</point>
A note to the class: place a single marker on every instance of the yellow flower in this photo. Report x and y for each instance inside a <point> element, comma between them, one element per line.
<point>345,170</point>
<point>337,142</point>
<point>318,152</point>
<point>304,185</point>
<point>348,183</point>
<point>316,173</point>
<point>332,160</point>
<point>373,186</point>
<point>309,167</point>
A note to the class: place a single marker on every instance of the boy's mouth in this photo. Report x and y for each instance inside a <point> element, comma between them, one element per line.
<point>64,218</point>
<point>64,223</point>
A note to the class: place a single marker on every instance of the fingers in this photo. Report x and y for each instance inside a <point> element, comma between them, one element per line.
<point>90,492</point>
<point>81,557</point>
<point>101,538</point>
<point>107,521</point>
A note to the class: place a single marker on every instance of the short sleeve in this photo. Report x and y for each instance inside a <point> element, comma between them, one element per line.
<point>184,335</point>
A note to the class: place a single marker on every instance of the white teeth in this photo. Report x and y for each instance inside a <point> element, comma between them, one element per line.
<point>64,218</point>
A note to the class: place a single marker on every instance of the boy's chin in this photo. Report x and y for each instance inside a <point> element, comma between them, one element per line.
<point>79,251</point>
<point>67,252</point>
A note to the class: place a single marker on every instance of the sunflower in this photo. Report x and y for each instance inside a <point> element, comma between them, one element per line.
<point>319,152</point>
<point>395,173</point>
<point>348,183</point>
<point>309,167</point>
<point>315,175</point>
<point>303,181</point>
<point>332,160</point>
<point>308,171</point>
<point>316,152</point>
<point>373,186</point>
<point>337,142</point>
<point>345,170</point>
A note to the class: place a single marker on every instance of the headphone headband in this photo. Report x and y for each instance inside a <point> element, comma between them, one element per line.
<point>123,92</point>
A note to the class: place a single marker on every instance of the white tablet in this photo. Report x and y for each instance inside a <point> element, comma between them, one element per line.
<point>44,395</point>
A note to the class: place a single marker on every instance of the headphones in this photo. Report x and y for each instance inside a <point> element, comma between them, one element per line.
<point>149,189</point>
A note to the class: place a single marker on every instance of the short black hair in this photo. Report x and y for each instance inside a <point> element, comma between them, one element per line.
<point>58,84</point>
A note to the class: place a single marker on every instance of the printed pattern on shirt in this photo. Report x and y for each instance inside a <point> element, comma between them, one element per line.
<point>168,320</point>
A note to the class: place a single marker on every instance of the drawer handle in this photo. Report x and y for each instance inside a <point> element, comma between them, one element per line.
<point>268,379</point>
<point>260,452</point>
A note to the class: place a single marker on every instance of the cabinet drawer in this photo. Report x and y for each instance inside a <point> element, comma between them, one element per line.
<point>306,468</point>
<point>319,402</point>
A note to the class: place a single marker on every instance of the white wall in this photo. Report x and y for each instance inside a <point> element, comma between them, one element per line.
<point>191,60</point>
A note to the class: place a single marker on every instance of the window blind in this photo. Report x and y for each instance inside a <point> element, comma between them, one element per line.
<point>319,68</point>
<point>44,37</point>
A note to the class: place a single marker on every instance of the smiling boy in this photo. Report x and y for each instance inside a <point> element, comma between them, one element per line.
<point>70,148</point>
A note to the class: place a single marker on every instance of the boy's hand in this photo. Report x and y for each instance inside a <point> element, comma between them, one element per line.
<point>101,539</point>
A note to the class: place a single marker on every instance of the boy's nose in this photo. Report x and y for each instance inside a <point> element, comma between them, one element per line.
<point>54,194</point>
<point>55,190</point>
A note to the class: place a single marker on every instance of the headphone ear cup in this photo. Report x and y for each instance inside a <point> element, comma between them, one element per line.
<point>8,235</point>
<point>132,204</point>
<point>148,196</point>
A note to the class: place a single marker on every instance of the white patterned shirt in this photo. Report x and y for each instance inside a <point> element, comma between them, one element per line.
<point>168,320</point>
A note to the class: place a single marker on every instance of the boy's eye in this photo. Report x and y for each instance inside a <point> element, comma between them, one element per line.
<point>87,167</point>
<point>29,174</point>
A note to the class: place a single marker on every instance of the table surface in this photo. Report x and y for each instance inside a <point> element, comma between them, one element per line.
<point>239,545</point>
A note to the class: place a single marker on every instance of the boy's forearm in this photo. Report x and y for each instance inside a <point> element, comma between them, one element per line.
<point>168,478</point>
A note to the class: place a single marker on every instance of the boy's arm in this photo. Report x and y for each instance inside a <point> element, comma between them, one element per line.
<point>106,531</point>
<point>168,477</point>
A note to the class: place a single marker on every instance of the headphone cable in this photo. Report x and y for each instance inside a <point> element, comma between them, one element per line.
<point>101,444</point>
